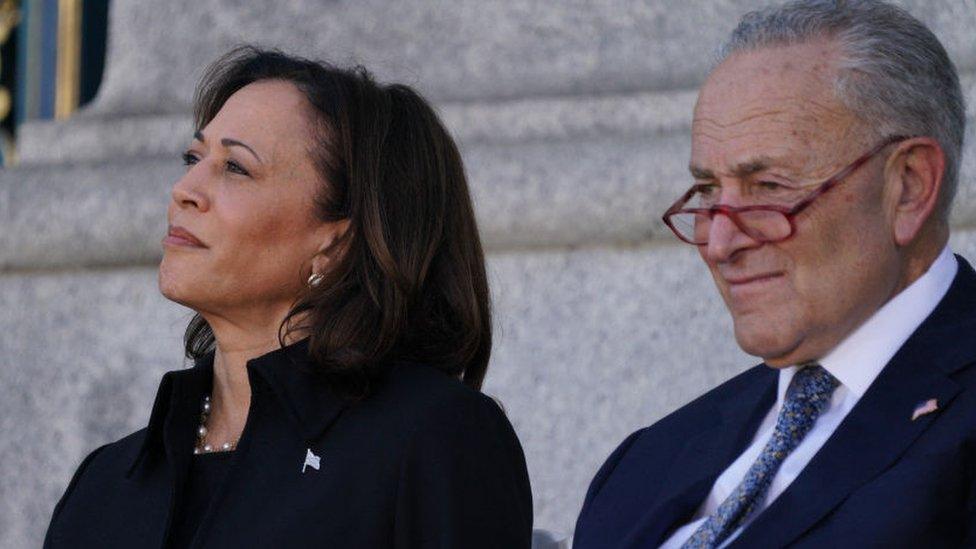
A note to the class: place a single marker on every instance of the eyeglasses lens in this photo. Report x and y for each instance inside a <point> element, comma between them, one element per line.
<point>762,225</point>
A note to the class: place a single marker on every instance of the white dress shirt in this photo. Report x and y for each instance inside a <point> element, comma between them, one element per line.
<point>855,362</point>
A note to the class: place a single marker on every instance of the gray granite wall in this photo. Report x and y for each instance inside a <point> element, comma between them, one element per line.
<point>573,119</point>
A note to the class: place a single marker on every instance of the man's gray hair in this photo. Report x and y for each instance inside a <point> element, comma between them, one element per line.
<point>894,73</point>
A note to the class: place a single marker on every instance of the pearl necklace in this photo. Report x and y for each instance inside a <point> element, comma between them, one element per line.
<point>202,447</point>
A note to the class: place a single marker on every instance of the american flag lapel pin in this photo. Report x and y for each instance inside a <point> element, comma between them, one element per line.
<point>925,407</point>
<point>311,460</point>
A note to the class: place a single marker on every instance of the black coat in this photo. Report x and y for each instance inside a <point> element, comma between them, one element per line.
<point>423,462</point>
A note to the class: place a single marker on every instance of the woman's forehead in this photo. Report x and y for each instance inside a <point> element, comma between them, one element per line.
<point>272,116</point>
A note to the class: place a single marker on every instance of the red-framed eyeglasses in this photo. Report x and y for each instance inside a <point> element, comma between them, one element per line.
<point>762,222</point>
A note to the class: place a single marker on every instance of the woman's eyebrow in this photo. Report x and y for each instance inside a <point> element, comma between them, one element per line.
<point>228,142</point>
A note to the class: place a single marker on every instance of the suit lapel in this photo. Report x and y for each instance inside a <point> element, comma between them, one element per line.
<point>880,428</point>
<point>704,457</point>
<point>872,437</point>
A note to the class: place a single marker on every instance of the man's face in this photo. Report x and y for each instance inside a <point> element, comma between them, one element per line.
<point>770,118</point>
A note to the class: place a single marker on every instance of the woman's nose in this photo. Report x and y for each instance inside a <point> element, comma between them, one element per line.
<point>190,190</point>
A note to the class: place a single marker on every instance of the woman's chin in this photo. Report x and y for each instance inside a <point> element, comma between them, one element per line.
<point>177,298</point>
<point>175,291</point>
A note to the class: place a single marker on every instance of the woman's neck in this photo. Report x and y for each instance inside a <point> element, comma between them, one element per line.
<point>237,343</point>
<point>231,393</point>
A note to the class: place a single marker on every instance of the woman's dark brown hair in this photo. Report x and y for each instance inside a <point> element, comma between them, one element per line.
<point>407,279</point>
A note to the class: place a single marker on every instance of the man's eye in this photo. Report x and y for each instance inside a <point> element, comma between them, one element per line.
<point>771,186</point>
<point>705,196</point>
<point>189,159</point>
<point>234,167</point>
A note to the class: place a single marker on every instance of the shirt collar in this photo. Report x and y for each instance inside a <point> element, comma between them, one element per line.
<point>861,356</point>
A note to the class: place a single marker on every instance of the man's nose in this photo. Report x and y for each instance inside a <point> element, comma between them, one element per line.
<point>725,238</point>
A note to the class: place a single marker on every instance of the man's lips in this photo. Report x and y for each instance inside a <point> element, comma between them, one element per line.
<point>178,236</point>
<point>742,280</point>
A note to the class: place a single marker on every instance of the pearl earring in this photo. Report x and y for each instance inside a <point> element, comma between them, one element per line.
<point>315,279</point>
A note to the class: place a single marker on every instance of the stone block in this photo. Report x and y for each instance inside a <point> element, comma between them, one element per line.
<point>589,190</point>
<point>87,138</point>
<point>84,214</point>
<point>94,135</point>
<point>591,344</point>
<point>81,354</point>
<point>90,139</point>
<point>462,50</point>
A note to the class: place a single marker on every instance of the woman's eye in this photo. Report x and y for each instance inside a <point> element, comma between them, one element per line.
<point>234,167</point>
<point>189,159</point>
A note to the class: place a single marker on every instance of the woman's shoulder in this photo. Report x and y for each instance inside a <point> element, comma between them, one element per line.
<point>96,477</point>
<point>431,413</point>
<point>114,457</point>
<point>458,461</point>
<point>416,401</point>
<point>419,389</point>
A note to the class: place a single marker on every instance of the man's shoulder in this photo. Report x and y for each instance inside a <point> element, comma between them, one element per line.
<point>702,408</point>
<point>652,444</point>
<point>637,470</point>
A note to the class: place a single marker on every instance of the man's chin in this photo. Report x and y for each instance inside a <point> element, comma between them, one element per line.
<point>774,348</point>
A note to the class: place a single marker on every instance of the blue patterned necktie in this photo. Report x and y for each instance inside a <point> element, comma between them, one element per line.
<point>807,396</point>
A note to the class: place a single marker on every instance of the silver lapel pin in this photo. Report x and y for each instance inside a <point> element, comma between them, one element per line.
<point>311,460</point>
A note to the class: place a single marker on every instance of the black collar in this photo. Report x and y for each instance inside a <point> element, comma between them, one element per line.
<point>289,374</point>
<point>286,374</point>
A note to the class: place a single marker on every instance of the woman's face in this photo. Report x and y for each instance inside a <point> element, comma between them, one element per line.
<point>247,197</point>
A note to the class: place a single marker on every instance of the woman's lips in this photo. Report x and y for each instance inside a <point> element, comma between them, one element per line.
<point>178,236</point>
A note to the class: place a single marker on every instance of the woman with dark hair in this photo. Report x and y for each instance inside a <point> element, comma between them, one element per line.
<point>324,235</point>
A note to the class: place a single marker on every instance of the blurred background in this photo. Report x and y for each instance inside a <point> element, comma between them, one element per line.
<point>573,119</point>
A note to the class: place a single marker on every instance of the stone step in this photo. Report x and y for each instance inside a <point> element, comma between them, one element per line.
<point>462,50</point>
<point>571,192</point>
<point>91,137</point>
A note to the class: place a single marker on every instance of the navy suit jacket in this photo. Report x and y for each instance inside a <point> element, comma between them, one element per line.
<point>881,479</point>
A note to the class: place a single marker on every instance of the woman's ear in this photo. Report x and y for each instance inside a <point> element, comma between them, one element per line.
<point>329,235</point>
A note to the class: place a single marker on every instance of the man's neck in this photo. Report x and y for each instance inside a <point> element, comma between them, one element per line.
<point>921,254</point>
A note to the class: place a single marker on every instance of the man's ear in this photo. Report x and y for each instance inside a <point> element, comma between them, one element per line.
<point>329,235</point>
<point>914,174</point>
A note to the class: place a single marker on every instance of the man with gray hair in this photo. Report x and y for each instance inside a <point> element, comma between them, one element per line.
<point>826,147</point>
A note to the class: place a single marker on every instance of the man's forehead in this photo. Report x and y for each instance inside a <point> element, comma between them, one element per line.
<point>816,57</point>
<point>769,107</point>
<point>789,79</point>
